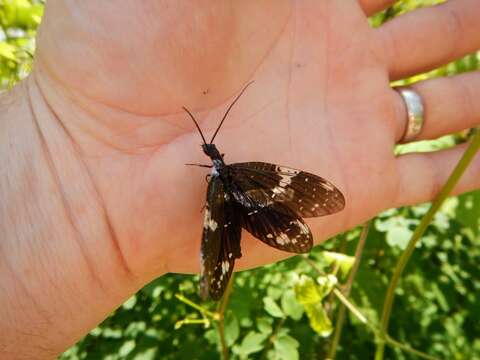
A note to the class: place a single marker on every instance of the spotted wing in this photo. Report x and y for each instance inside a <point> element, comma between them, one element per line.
<point>220,241</point>
<point>307,195</point>
<point>279,227</point>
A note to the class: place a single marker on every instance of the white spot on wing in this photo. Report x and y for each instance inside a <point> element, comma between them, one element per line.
<point>225,267</point>
<point>287,170</point>
<point>212,225</point>
<point>303,227</point>
<point>209,223</point>
<point>207,218</point>
<point>282,239</point>
<point>285,179</point>
<point>278,190</point>
<point>328,186</point>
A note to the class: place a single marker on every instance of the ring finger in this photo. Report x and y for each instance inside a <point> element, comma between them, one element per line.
<point>450,105</point>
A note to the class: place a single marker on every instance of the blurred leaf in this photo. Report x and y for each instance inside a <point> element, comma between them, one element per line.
<point>264,325</point>
<point>21,13</point>
<point>326,285</point>
<point>232,329</point>
<point>319,320</point>
<point>7,51</point>
<point>252,343</point>
<point>468,211</point>
<point>126,348</point>
<point>272,308</point>
<point>286,347</point>
<point>344,261</point>
<point>130,303</point>
<point>399,236</point>
<point>290,306</point>
<point>306,291</point>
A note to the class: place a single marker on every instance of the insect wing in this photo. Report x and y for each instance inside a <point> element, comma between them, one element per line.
<point>279,227</point>
<point>306,194</point>
<point>229,251</point>
<point>220,241</point>
<point>214,219</point>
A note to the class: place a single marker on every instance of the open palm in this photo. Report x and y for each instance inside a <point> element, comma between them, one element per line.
<point>321,102</point>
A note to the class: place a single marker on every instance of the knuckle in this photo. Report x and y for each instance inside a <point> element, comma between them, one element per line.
<point>453,28</point>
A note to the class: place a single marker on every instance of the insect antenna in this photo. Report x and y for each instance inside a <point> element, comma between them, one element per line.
<point>228,110</point>
<point>196,124</point>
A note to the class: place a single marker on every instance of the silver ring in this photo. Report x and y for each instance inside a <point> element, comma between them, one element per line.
<point>415,113</point>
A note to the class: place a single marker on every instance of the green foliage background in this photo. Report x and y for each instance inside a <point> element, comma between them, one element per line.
<point>437,307</point>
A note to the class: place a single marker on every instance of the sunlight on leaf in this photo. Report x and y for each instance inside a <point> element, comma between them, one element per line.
<point>7,51</point>
<point>272,307</point>
<point>306,291</point>
<point>319,320</point>
<point>286,348</point>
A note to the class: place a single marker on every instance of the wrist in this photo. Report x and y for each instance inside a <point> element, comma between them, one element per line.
<point>58,254</point>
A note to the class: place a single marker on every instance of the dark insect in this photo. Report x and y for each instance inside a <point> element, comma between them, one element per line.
<point>267,200</point>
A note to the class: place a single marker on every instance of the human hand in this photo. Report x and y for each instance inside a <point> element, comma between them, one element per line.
<point>321,102</point>
<point>113,80</point>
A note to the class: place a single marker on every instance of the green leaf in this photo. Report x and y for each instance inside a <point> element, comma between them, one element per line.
<point>326,285</point>
<point>211,336</point>
<point>252,343</point>
<point>399,236</point>
<point>232,329</point>
<point>22,13</point>
<point>130,303</point>
<point>306,291</point>
<point>468,211</point>
<point>264,325</point>
<point>290,306</point>
<point>319,320</point>
<point>126,348</point>
<point>286,347</point>
<point>7,51</point>
<point>272,308</point>
<point>344,261</point>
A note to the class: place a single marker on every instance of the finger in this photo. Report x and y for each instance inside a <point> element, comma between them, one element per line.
<point>371,7</point>
<point>422,175</point>
<point>427,38</point>
<point>450,105</point>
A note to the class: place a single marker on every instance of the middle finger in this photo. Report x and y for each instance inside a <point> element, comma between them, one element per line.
<point>426,38</point>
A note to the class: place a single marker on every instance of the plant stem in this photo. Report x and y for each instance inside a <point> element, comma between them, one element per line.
<point>346,291</point>
<point>408,349</point>
<point>358,257</point>
<point>400,266</point>
<point>203,321</point>
<point>222,306</point>
<point>196,306</point>
<point>313,265</point>
<point>271,339</point>
<point>379,336</point>
<point>387,339</point>
<point>352,308</point>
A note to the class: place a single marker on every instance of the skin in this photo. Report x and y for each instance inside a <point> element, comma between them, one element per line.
<point>92,144</point>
